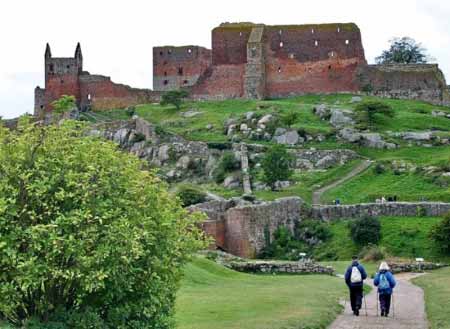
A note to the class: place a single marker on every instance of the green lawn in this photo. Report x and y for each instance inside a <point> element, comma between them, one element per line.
<point>405,237</point>
<point>214,297</point>
<point>437,297</point>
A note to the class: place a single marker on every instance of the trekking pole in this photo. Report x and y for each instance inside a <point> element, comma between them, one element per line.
<point>393,305</point>
<point>365,303</point>
<point>377,301</point>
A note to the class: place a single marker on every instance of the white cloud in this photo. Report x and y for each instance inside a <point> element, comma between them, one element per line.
<point>117,36</point>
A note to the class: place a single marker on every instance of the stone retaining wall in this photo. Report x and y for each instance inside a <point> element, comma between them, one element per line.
<point>400,209</point>
<point>414,267</point>
<point>271,267</point>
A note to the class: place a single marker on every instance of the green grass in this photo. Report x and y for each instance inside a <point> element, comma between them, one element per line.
<point>405,237</point>
<point>437,297</point>
<point>369,186</point>
<point>214,297</point>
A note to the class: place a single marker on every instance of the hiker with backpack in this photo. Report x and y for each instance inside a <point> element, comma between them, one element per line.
<point>354,278</point>
<point>385,282</point>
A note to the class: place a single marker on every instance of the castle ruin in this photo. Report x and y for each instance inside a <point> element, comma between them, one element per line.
<point>252,61</point>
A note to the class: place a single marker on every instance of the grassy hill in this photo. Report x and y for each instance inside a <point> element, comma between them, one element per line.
<point>212,296</point>
<point>413,184</point>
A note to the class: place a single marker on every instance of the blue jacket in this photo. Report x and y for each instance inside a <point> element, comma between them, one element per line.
<point>390,278</point>
<point>348,275</point>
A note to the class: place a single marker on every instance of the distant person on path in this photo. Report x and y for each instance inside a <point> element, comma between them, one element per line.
<point>385,282</point>
<point>354,278</point>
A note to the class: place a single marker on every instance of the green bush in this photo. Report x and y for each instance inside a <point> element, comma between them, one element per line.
<point>87,239</point>
<point>441,234</point>
<point>276,165</point>
<point>228,163</point>
<point>130,111</point>
<point>174,97</point>
<point>190,195</point>
<point>312,232</point>
<point>366,230</point>
<point>289,118</point>
<point>283,246</point>
<point>379,169</point>
<point>370,112</point>
<point>373,253</point>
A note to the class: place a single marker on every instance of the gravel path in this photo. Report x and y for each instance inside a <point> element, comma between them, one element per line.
<point>409,309</point>
<point>356,171</point>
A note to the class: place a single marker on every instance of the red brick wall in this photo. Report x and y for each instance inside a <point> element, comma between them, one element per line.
<point>106,94</point>
<point>216,230</point>
<point>229,44</point>
<point>58,85</point>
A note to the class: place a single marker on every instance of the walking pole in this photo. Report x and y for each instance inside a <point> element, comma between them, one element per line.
<point>393,305</point>
<point>365,302</point>
<point>377,302</point>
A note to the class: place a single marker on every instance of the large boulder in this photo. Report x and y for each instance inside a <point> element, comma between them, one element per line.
<point>350,135</point>
<point>232,182</point>
<point>418,136</point>
<point>375,140</point>
<point>327,162</point>
<point>265,119</point>
<point>290,137</point>
<point>322,111</point>
<point>341,118</point>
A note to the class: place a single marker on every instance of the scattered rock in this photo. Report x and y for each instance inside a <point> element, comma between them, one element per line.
<point>288,138</point>
<point>163,153</point>
<point>183,162</point>
<point>249,115</point>
<point>209,127</point>
<point>282,184</point>
<point>350,135</point>
<point>231,182</point>
<point>243,127</point>
<point>190,113</point>
<point>376,141</point>
<point>265,119</point>
<point>356,99</point>
<point>321,111</point>
<point>341,118</point>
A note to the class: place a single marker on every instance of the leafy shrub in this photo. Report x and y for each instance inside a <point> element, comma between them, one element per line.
<point>379,169</point>
<point>228,163</point>
<point>276,165</point>
<point>64,104</point>
<point>312,232</point>
<point>190,195</point>
<point>174,97</point>
<point>369,112</point>
<point>87,239</point>
<point>289,118</point>
<point>368,88</point>
<point>366,230</point>
<point>440,233</point>
<point>373,253</point>
<point>130,111</point>
<point>282,246</point>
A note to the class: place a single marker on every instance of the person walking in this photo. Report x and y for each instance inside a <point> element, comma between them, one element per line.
<point>354,278</point>
<point>385,282</point>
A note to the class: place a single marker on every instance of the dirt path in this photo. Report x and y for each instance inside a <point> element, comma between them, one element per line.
<point>356,171</point>
<point>409,309</point>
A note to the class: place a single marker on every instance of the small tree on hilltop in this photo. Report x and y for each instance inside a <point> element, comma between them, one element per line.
<point>276,165</point>
<point>88,240</point>
<point>64,104</point>
<point>174,97</point>
<point>368,112</point>
<point>290,118</point>
<point>404,51</point>
<point>440,233</point>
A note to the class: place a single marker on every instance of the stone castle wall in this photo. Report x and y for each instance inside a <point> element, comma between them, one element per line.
<point>245,230</point>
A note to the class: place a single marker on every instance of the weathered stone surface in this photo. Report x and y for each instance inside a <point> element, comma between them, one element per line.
<point>322,111</point>
<point>356,99</point>
<point>350,135</point>
<point>190,113</point>
<point>376,141</point>
<point>290,137</point>
<point>341,118</point>
<point>231,182</point>
<point>271,267</point>
<point>321,159</point>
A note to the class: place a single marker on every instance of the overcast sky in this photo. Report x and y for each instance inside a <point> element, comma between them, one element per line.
<point>117,36</point>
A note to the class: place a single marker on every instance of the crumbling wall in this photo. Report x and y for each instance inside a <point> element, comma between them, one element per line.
<point>39,101</point>
<point>98,92</point>
<point>229,43</point>
<point>179,67</point>
<point>405,81</point>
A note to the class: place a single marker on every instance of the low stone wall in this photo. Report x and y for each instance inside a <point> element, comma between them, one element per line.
<point>414,267</point>
<point>400,209</point>
<point>271,267</point>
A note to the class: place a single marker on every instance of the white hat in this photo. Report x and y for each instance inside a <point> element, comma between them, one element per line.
<point>384,266</point>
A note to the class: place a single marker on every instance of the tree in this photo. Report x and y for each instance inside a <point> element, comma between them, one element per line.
<point>276,165</point>
<point>87,238</point>
<point>404,51</point>
<point>368,112</point>
<point>174,97</point>
<point>366,230</point>
<point>289,118</point>
<point>440,233</point>
<point>64,104</point>
<point>190,194</point>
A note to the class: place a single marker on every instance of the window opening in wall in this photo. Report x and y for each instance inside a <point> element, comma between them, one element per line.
<point>62,81</point>
<point>190,51</point>
<point>291,56</point>
<point>166,82</point>
<point>165,63</point>
<point>280,32</point>
<point>185,82</point>
<point>165,74</point>
<point>279,69</point>
<point>312,31</point>
<point>329,67</point>
<point>281,44</point>
<point>89,97</point>
<point>161,53</point>
<point>51,68</point>
<point>347,42</point>
<point>240,34</point>
<point>42,107</point>
<point>68,66</point>
<point>253,52</point>
<point>339,29</point>
<point>180,71</point>
<point>169,51</point>
<point>316,43</point>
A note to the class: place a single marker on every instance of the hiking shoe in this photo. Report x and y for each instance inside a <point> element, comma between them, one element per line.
<point>382,313</point>
<point>357,312</point>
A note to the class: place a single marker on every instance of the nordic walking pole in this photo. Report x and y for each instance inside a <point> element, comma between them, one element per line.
<point>393,305</point>
<point>365,302</point>
<point>377,302</point>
